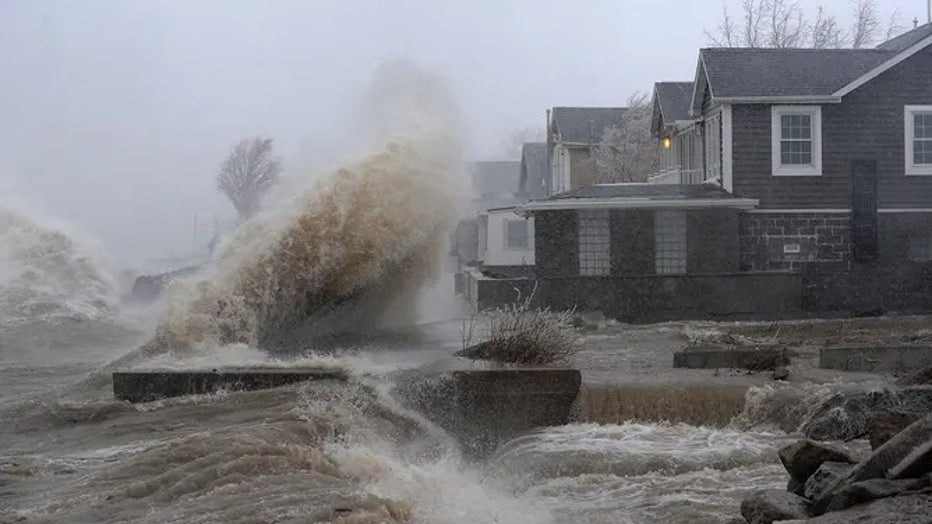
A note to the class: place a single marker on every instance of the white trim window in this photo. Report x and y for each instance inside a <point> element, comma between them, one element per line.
<point>517,234</point>
<point>796,140</point>
<point>594,247</point>
<point>918,126</point>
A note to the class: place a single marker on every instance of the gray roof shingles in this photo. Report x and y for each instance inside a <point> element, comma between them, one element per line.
<point>648,191</point>
<point>674,99</point>
<point>737,72</point>
<point>580,125</point>
<point>907,39</point>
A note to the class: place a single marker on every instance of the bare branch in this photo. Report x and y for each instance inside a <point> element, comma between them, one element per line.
<point>866,23</point>
<point>628,152</point>
<point>725,32</point>
<point>247,174</point>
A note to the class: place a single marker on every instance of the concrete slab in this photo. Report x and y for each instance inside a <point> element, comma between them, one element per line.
<point>876,359</point>
<point>149,385</point>
<point>485,408</point>
<point>712,357</point>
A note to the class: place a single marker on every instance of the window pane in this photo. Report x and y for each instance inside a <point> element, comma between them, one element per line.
<point>796,127</point>
<point>796,152</point>
<point>594,248</point>
<point>922,151</point>
<point>670,242</point>
<point>922,125</point>
<point>516,234</point>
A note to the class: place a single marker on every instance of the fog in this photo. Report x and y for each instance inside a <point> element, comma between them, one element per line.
<point>115,115</point>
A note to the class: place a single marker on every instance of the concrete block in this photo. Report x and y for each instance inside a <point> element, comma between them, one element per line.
<point>877,359</point>
<point>707,357</point>
<point>146,386</point>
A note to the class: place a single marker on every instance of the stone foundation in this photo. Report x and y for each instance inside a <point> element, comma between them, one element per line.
<point>787,241</point>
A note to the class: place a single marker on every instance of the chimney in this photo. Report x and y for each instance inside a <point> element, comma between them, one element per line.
<point>915,22</point>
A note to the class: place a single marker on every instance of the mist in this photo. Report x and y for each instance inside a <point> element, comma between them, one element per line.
<point>114,116</point>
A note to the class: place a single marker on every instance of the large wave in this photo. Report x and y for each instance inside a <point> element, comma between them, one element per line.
<point>350,250</point>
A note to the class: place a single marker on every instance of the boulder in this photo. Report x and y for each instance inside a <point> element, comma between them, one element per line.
<point>917,463</point>
<point>766,507</point>
<point>823,478</point>
<point>802,458</point>
<point>916,379</point>
<point>884,425</point>
<point>905,509</point>
<point>880,460</point>
<point>846,415</point>
<point>872,489</point>
<point>737,520</point>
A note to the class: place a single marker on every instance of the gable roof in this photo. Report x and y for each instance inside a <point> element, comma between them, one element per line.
<point>640,195</point>
<point>495,177</point>
<point>736,72</point>
<point>583,125</point>
<point>907,39</point>
<point>765,75</point>
<point>670,104</point>
<point>534,169</point>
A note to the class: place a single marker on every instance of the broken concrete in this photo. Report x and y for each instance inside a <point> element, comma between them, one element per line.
<point>824,478</point>
<point>150,385</point>
<point>803,458</point>
<point>750,358</point>
<point>884,425</point>
<point>847,415</point>
<point>766,507</point>
<point>876,359</point>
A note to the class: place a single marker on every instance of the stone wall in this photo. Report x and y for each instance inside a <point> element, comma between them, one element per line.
<point>787,241</point>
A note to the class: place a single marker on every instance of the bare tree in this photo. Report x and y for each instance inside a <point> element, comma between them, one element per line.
<point>627,152</point>
<point>247,174</point>
<point>783,24</point>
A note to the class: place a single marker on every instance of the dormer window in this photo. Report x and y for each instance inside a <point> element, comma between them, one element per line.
<point>919,140</point>
<point>796,135</point>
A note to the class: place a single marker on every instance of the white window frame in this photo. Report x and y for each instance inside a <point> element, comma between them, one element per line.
<point>913,169</point>
<point>776,130</point>
<point>506,237</point>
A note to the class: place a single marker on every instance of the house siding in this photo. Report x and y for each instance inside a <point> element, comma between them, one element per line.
<point>866,125</point>
<point>712,241</point>
<point>556,243</point>
<point>632,242</point>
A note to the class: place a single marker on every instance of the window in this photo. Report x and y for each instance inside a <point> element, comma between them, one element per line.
<point>920,249</point>
<point>796,134</point>
<point>516,234</point>
<point>670,242</point>
<point>713,147</point>
<point>919,140</point>
<point>594,249</point>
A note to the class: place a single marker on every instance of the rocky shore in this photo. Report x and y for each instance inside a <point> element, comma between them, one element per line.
<point>828,484</point>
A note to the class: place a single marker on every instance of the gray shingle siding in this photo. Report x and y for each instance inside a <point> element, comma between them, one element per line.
<point>867,124</point>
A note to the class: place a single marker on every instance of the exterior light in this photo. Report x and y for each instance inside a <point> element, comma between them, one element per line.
<point>667,143</point>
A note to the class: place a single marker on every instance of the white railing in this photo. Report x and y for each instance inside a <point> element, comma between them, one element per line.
<point>678,176</point>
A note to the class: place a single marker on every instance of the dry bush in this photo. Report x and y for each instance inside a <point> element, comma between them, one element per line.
<point>520,334</point>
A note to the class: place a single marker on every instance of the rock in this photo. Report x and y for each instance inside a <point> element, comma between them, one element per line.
<point>737,520</point>
<point>846,415</point>
<point>765,507</point>
<point>794,486</point>
<point>781,373</point>
<point>802,458</point>
<point>923,377</point>
<point>872,489</point>
<point>880,460</point>
<point>917,463</point>
<point>823,478</point>
<point>905,509</point>
<point>884,425</point>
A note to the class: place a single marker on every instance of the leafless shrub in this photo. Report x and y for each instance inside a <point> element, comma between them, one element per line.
<point>248,173</point>
<point>520,334</point>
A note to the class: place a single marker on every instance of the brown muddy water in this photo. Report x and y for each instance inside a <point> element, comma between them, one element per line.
<point>349,452</point>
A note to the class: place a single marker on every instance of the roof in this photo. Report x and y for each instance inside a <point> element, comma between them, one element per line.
<point>907,39</point>
<point>495,177</point>
<point>582,125</point>
<point>673,99</point>
<point>641,196</point>
<point>534,169</point>
<point>747,72</point>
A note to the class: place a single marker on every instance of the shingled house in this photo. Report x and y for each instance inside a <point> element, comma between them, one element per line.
<point>573,135</point>
<point>792,181</point>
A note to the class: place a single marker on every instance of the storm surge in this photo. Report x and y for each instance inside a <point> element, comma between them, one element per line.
<point>54,290</point>
<point>350,251</point>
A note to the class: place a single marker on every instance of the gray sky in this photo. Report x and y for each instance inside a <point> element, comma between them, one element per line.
<point>114,114</point>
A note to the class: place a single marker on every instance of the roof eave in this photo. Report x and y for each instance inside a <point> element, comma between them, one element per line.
<point>636,203</point>
<point>886,65</point>
<point>807,99</point>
